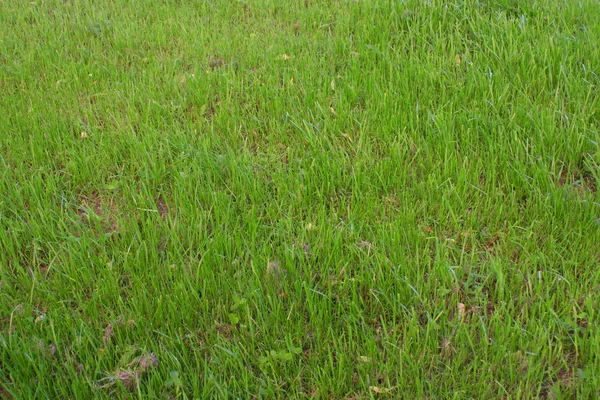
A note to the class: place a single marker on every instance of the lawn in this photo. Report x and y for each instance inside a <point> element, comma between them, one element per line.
<point>341,199</point>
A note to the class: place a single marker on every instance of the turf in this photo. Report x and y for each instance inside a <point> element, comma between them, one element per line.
<point>299,199</point>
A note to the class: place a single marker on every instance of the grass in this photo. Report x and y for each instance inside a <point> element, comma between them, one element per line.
<point>273,199</point>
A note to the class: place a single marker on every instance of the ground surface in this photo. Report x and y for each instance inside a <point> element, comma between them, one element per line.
<point>296,199</point>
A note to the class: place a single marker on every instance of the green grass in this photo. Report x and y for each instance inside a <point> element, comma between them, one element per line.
<point>296,199</point>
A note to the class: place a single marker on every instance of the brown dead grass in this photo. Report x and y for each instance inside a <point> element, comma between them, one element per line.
<point>105,209</point>
<point>163,207</point>
<point>578,184</point>
<point>4,395</point>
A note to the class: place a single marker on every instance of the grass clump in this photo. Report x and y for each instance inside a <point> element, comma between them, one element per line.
<point>317,199</point>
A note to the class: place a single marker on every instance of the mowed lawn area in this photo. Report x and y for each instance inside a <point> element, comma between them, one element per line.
<point>330,199</point>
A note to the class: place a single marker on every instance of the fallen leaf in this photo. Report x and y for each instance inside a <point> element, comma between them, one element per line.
<point>333,85</point>
<point>364,359</point>
<point>285,57</point>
